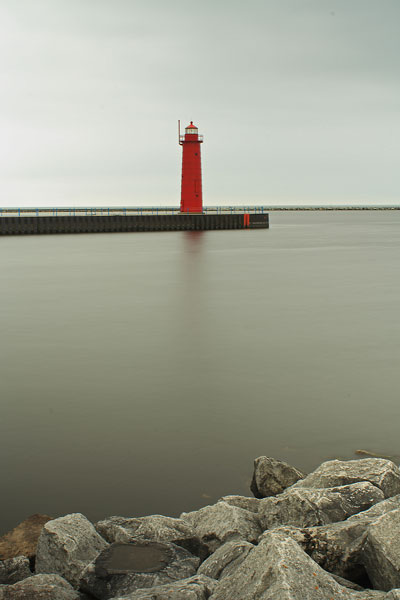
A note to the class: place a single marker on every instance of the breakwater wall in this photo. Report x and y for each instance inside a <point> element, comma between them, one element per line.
<point>329,535</point>
<point>31,225</point>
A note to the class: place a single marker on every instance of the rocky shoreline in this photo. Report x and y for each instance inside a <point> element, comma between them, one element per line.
<point>332,534</point>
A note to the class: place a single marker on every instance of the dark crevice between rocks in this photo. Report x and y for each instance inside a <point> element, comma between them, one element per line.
<point>32,563</point>
<point>194,546</point>
<point>357,574</point>
<point>86,596</point>
<point>360,576</point>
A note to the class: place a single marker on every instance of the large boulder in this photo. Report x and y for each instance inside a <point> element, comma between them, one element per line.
<point>245,502</point>
<point>393,595</point>
<point>193,588</point>
<point>23,539</point>
<point>382,473</point>
<point>40,587</point>
<point>14,569</point>
<point>310,507</point>
<point>218,523</point>
<point>278,569</point>
<point>338,547</point>
<point>225,559</point>
<point>381,552</point>
<point>272,476</point>
<point>67,545</point>
<point>156,528</point>
<point>126,567</point>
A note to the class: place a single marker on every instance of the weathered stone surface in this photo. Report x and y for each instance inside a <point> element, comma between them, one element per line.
<point>156,528</point>
<point>272,476</point>
<point>382,473</point>
<point>278,569</point>
<point>22,540</point>
<point>40,587</point>
<point>393,595</point>
<point>14,569</point>
<point>66,545</point>
<point>124,568</point>
<point>193,588</point>
<point>310,507</point>
<point>381,553</point>
<point>218,523</point>
<point>338,547</point>
<point>225,559</point>
<point>244,502</point>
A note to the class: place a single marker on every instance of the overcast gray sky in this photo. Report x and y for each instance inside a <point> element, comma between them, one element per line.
<point>298,100</point>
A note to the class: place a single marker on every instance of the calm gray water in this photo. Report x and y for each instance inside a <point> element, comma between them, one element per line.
<point>142,373</point>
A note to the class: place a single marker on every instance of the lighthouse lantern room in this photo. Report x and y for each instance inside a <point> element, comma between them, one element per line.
<point>191,187</point>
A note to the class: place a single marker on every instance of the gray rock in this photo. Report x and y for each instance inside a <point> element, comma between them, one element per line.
<point>393,595</point>
<point>278,569</point>
<point>40,587</point>
<point>194,588</point>
<point>218,523</point>
<point>382,473</point>
<point>272,476</point>
<point>338,547</point>
<point>310,507</point>
<point>122,568</point>
<point>225,559</point>
<point>156,528</point>
<point>14,569</point>
<point>381,553</point>
<point>244,502</point>
<point>67,545</point>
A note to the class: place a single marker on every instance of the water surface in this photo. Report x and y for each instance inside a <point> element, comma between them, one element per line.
<point>142,373</point>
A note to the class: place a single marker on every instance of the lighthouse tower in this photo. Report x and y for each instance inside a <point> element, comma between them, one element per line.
<point>191,191</point>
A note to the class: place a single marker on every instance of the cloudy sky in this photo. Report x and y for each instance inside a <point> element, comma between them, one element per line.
<point>298,100</point>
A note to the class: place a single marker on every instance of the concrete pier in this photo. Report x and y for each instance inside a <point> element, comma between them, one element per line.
<point>31,225</point>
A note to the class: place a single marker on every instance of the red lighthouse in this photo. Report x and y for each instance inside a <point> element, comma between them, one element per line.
<point>191,191</point>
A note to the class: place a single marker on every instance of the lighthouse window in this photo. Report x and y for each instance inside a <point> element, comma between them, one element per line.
<point>195,153</point>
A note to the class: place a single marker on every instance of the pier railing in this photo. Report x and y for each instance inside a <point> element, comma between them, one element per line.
<point>94,211</point>
<point>104,211</point>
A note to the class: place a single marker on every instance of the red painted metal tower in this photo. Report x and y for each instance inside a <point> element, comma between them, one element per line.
<point>191,189</point>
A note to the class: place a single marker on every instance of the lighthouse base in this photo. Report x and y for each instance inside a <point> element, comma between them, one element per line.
<point>120,223</point>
